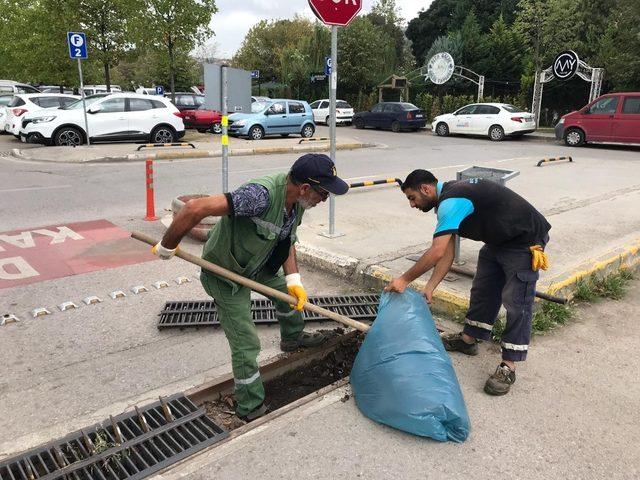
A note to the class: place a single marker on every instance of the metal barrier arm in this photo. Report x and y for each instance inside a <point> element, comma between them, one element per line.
<point>376,182</point>
<point>556,159</point>
<point>156,145</point>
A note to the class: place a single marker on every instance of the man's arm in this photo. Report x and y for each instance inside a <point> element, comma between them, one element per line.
<point>430,258</point>
<point>290,265</point>
<point>191,214</point>
<point>441,269</point>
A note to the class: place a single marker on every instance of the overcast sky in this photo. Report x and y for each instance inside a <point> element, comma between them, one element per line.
<point>236,17</point>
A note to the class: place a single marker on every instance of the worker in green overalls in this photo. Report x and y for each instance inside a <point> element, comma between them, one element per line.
<point>256,238</point>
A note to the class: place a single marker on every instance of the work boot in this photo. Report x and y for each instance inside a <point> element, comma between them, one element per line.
<point>454,343</point>
<point>257,412</point>
<point>305,339</point>
<point>500,382</point>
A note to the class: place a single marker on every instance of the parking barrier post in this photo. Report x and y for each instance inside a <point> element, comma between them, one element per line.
<point>151,209</point>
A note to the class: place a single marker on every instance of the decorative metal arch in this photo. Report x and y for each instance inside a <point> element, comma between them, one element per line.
<point>587,73</point>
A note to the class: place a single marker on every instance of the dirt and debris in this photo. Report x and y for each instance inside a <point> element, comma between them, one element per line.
<point>296,383</point>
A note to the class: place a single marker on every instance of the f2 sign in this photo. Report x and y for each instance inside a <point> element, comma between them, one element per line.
<point>565,65</point>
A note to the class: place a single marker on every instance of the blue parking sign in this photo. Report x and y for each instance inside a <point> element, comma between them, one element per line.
<point>77,42</point>
<point>327,65</point>
<point>159,90</point>
<point>255,73</point>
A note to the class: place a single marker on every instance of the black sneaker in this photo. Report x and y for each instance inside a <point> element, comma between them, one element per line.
<point>258,412</point>
<point>454,343</point>
<point>500,382</point>
<point>305,339</point>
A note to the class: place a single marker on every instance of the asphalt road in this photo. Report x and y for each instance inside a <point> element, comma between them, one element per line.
<point>46,193</point>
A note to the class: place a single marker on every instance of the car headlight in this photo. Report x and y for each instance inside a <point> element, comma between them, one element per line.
<point>240,123</point>
<point>43,119</point>
<point>561,121</point>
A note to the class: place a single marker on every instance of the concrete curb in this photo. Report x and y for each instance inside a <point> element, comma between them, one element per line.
<point>174,155</point>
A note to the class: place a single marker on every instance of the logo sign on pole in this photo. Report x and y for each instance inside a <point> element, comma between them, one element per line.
<point>336,12</point>
<point>565,65</point>
<point>255,73</point>
<point>327,65</point>
<point>77,42</point>
<point>159,90</point>
<point>440,68</point>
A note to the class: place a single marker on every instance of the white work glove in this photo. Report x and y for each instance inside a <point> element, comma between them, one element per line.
<point>295,288</point>
<point>163,252</point>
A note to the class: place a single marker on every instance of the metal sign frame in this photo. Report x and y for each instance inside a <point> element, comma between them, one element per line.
<point>458,71</point>
<point>583,70</point>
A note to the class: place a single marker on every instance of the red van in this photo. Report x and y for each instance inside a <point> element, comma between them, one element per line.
<point>611,118</point>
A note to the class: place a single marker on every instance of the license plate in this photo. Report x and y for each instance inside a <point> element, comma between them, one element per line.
<point>419,115</point>
<point>188,118</point>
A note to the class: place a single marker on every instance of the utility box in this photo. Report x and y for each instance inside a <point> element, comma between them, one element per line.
<point>238,88</point>
<point>496,175</point>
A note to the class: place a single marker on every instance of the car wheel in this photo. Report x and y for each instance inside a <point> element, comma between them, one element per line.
<point>68,137</point>
<point>442,129</point>
<point>574,137</point>
<point>395,126</point>
<point>358,123</point>
<point>256,132</point>
<point>307,131</point>
<point>327,120</point>
<point>163,134</point>
<point>216,128</point>
<point>496,133</point>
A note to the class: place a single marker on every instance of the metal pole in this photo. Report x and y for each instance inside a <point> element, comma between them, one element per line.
<point>480,88</point>
<point>84,106</point>
<point>225,133</point>
<point>333,85</point>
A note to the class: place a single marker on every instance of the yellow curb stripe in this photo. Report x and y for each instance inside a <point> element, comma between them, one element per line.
<point>628,258</point>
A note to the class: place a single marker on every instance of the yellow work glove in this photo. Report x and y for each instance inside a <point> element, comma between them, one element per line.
<point>295,288</point>
<point>539,259</point>
<point>163,252</point>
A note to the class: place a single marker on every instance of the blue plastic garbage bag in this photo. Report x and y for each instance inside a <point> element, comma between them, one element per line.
<point>402,375</point>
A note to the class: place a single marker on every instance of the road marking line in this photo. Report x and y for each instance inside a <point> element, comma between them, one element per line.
<point>27,189</point>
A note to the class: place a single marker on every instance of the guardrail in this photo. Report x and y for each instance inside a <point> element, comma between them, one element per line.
<point>555,159</point>
<point>156,145</point>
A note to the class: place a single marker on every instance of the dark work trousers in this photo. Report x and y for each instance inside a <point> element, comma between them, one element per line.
<point>503,277</point>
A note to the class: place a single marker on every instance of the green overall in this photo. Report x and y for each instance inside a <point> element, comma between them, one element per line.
<point>243,245</point>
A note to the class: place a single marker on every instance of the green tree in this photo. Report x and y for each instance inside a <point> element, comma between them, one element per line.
<point>384,14</point>
<point>503,54</point>
<point>429,25</point>
<point>108,25</point>
<point>175,25</point>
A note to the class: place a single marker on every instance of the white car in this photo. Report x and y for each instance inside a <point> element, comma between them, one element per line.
<point>320,109</point>
<point>111,117</point>
<point>31,102</point>
<point>5,99</point>
<point>496,120</point>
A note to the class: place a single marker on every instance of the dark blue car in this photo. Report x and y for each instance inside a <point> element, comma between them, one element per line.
<point>396,116</point>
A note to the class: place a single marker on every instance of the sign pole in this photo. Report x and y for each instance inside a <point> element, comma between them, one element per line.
<point>84,106</point>
<point>225,132</point>
<point>333,84</point>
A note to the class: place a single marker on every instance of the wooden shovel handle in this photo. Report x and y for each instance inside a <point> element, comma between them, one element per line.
<point>255,286</point>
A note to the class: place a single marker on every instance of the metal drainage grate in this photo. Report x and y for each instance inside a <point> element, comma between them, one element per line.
<point>203,313</point>
<point>130,446</point>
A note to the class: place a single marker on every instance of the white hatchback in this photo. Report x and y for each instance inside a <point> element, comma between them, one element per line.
<point>495,120</point>
<point>23,103</point>
<point>111,117</point>
<point>320,109</point>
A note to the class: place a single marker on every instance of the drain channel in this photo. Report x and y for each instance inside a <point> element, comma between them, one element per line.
<point>129,446</point>
<point>203,313</point>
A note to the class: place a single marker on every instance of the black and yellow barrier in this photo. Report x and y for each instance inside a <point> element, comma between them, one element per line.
<point>156,145</point>
<point>316,139</point>
<point>556,159</point>
<point>370,183</point>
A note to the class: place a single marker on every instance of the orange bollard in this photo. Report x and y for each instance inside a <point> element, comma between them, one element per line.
<point>151,209</point>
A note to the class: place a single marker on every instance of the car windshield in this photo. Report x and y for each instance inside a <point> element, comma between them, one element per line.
<point>257,107</point>
<point>5,100</point>
<point>512,108</point>
<point>409,106</point>
<point>342,104</point>
<point>78,104</point>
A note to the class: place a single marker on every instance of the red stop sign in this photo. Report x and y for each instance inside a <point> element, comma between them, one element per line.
<point>336,12</point>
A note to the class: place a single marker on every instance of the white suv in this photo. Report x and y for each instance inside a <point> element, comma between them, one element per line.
<point>111,117</point>
<point>31,102</point>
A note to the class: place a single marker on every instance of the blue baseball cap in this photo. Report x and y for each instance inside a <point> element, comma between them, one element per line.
<point>318,169</point>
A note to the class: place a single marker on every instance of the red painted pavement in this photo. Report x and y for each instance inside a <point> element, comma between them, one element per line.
<point>38,254</point>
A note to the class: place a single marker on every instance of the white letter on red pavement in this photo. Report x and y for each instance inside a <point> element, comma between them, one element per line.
<point>61,235</point>
<point>22,240</point>
<point>24,269</point>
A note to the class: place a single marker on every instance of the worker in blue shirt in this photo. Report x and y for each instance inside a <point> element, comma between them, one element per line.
<point>514,235</point>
